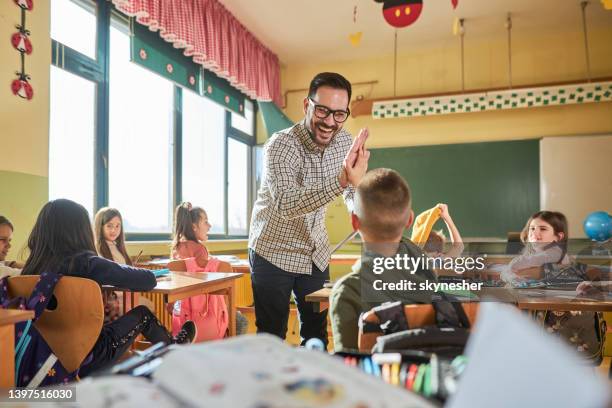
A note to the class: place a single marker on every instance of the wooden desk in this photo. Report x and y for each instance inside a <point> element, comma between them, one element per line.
<point>319,299</point>
<point>8,318</point>
<point>181,285</point>
<point>238,265</point>
<point>562,301</point>
<point>525,299</point>
<point>585,259</point>
<point>344,259</point>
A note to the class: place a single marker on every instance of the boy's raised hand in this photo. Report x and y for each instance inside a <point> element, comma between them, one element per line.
<point>443,211</point>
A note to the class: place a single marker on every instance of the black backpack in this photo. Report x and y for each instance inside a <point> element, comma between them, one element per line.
<point>447,337</point>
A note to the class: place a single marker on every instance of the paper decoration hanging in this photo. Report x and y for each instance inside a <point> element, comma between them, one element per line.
<point>607,4</point>
<point>591,92</point>
<point>21,42</point>
<point>355,38</point>
<point>402,13</point>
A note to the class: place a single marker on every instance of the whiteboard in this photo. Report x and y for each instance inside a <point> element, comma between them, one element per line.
<point>576,177</point>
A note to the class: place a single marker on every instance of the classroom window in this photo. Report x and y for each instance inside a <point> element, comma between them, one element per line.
<point>246,123</point>
<point>204,157</point>
<point>124,136</point>
<point>139,141</point>
<point>73,23</point>
<point>71,138</point>
<point>237,188</point>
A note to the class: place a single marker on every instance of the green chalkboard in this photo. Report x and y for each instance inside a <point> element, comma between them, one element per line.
<point>491,188</point>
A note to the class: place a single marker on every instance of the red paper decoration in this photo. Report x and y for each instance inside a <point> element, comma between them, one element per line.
<point>402,13</point>
<point>21,42</point>
<point>25,4</point>
<point>22,88</point>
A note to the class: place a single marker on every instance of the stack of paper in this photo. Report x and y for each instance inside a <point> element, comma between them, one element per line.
<point>262,371</point>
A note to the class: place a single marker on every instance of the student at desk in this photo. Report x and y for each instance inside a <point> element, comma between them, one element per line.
<point>382,211</point>
<point>62,242</point>
<point>6,235</point>
<point>545,237</point>
<point>209,312</point>
<point>110,244</point>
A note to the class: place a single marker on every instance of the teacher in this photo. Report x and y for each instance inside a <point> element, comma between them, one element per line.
<point>305,168</point>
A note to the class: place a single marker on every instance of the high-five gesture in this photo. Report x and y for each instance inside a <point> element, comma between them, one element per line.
<point>355,164</point>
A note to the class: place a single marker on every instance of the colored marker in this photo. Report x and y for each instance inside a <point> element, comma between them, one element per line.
<point>435,379</point>
<point>376,369</point>
<point>427,381</point>
<point>386,373</point>
<point>403,374</point>
<point>412,372</point>
<point>367,365</point>
<point>395,368</point>
<point>418,381</point>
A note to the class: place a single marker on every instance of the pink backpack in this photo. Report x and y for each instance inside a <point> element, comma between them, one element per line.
<point>208,312</point>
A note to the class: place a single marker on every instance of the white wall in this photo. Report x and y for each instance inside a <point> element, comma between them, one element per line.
<point>576,177</point>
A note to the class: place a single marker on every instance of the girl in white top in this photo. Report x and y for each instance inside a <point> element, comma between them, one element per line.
<point>110,244</point>
<point>7,268</point>
<point>110,239</point>
<point>545,238</point>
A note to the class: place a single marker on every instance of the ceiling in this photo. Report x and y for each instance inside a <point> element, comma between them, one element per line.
<point>317,30</point>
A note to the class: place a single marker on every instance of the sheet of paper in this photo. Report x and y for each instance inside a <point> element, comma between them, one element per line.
<point>118,391</point>
<point>262,371</point>
<point>512,362</point>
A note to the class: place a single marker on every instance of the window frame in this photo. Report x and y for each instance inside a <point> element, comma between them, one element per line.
<point>98,72</point>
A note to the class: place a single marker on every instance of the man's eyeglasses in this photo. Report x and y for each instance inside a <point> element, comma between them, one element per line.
<point>322,112</point>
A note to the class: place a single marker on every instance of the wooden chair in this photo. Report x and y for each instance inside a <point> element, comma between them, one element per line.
<point>72,328</point>
<point>514,245</point>
<point>416,315</point>
<point>157,299</point>
<point>177,265</point>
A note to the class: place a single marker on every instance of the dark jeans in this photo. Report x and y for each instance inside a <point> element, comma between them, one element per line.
<point>272,289</point>
<point>117,337</point>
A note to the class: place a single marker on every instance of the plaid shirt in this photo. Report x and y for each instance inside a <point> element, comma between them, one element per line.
<point>299,180</point>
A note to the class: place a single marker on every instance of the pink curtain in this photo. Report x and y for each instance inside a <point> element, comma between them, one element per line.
<point>214,38</point>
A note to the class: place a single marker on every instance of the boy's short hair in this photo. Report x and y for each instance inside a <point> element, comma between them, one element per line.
<point>435,242</point>
<point>382,203</point>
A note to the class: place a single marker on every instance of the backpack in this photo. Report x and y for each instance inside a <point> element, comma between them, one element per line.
<point>392,331</point>
<point>208,312</point>
<point>35,363</point>
<point>583,331</point>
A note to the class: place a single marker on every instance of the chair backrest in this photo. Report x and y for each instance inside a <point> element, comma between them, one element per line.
<point>224,267</point>
<point>514,245</point>
<point>72,328</point>
<point>417,316</point>
<point>177,265</point>
<point>215,265</point>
